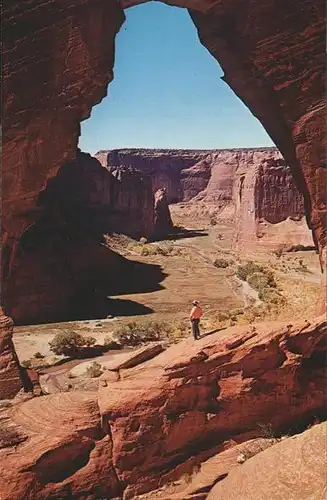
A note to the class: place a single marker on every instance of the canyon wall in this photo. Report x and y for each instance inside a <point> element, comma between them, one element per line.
<point>255,184</point>
<point>115,200</point>
<point>61,262</point>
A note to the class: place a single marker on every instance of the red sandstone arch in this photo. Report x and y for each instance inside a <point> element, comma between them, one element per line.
<point>58,60</point>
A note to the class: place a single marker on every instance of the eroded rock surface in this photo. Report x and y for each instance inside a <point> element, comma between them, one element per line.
<point>163,224</point>
<point>102,201</point>
<point>162,419</point>
<point>253,186</point>
<point>10,373</point>
<point>294,468</point>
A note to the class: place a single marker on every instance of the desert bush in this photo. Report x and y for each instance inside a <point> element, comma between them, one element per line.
<point>111,344</point>
<point>165,249</point>
<point>223,316</point>
<point>94,370</point>
<point>27,363</point>
<point>143,240</point>
<point>135,333</point>
<point>213,221</point>
<point>221,263</point>
<point>278,252</point>
<point>268,294</point>
<point>296,248</point>
<point>9,436</point>
<point>177,331</point>
<point>236,312</point>
<point>148,250</point>
<point>38,355</point>
<point>244,270</point>
<point>258,280</point>
<point>70,343</point>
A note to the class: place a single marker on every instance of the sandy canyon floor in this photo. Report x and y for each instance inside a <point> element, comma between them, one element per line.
<point>187,261</point>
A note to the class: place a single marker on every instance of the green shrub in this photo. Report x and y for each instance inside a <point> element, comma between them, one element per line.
<point>27,363</point>
<point>244,270</point>
<point>134,333</point>
<point>221,263</point>
<point>94,370</point>
<point>236,312</point>
<point>268,294</point>
<point>223,316</point>
<point>258,280</point>
<point>69,343</point>
<point>148,250</point>
<point>165,249</point>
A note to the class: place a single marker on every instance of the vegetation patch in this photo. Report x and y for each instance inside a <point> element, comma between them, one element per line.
<point>94,370</point>
<point>135,333</point>
<point>70,343</point>
<point>222,263</point>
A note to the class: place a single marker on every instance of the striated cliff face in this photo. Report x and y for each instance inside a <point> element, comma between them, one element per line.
<point>255,184</point>
<point>11,380</point>
<point>182,173</point>
<point>149,425</point>
<point>115,200</point>
<point>163,223</point>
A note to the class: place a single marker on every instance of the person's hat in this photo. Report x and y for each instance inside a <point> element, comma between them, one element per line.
<point>195,302</point>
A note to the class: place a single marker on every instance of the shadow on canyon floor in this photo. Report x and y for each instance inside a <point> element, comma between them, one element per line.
<point>186,233</point>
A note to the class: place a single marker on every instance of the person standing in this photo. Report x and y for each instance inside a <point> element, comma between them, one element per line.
<point>195,316</point>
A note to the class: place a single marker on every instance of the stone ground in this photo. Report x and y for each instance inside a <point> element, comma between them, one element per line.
<point>190,274</point>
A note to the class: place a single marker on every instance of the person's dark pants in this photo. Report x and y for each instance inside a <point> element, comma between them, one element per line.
<point>195,328</point>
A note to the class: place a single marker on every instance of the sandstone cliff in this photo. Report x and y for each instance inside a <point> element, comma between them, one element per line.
<point>162,419</point>
<point>11,380</point>
<point>163,224</point>
<point>104,201</point>
<point>255,184</point>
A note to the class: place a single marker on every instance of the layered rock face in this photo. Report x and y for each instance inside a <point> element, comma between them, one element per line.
<point>269,209</point>
<point>104,201</point>
<point>60,262</point>
<point>182,173</point>
<point>262,56</point>
<point>163,223</point>
<point>255,184</point>
<point>153,423</point>
<point>11,380</point>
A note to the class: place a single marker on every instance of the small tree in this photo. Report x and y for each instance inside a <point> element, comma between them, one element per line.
<point>69,343</point>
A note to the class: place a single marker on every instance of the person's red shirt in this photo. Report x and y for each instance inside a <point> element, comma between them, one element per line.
<point>196,312</point>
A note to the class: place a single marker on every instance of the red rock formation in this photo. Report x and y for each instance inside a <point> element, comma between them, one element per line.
<point>163,223</point>
<point>118,200</point>
<point>57,62</point>
<point>264,52</point>
<point>10,373</point>
<point>255,184</point>
<point>269,211</point>
<point>293,467</point>
<point>183,173</point>
<point>161,419</point>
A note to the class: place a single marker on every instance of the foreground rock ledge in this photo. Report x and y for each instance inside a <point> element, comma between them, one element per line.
<point>164,417</point>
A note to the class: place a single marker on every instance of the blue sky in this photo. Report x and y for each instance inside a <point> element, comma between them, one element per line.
<point>167,91</point>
